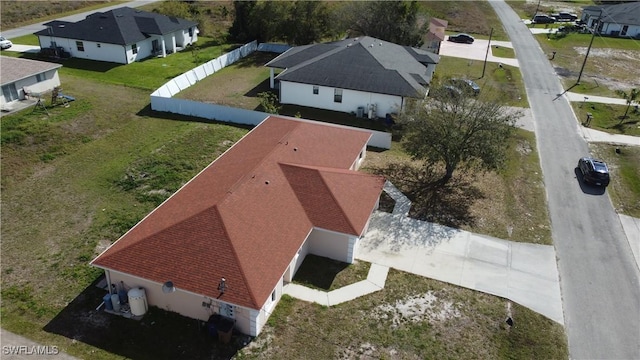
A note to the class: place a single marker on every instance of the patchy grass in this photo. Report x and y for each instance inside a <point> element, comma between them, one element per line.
<point>608,117</point>
<point>503,51</point>
<point>509,204</point>
<point>411,318</point>
<point>20,13</point>
<point>503,84</point>
<point>68,166</point>
<point>473,17</point>
<point>612,64</point>
<point>624,188</point>
<point>326,274</point>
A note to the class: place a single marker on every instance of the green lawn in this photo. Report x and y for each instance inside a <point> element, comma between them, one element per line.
<point>502,84</point>
<point>624,166</point>
<point>148,74</point>
<point>503,51</point>
<point>608,118</point>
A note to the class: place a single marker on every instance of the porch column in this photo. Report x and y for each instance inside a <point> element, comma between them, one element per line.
<point>271,81</point>
<point>164,48</point>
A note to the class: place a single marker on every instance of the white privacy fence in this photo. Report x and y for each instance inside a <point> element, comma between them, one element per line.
<point>162,98</point>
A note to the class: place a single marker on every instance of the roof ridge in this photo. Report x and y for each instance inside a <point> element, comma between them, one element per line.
<point>235,255</point>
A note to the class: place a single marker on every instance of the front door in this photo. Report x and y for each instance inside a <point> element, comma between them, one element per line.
<point>624,30</point>
<point>154,46</point>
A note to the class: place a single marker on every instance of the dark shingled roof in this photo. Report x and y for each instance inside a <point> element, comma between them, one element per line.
<point>623,14</point>
<point>364,64</point>
<point>122,26</point>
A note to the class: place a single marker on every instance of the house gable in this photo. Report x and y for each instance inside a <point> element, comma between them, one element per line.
<point>241,218</point>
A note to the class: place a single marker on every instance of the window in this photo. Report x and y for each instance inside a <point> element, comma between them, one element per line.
<point>134,48</point>
<point>273,296</point>
<point>337,95</point>
<point>190,31</point>
<point>80,45</point>
<point>40,77</point>
<point>316,89</point>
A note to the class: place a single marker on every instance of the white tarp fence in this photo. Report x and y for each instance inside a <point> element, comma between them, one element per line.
<point>162,98</point>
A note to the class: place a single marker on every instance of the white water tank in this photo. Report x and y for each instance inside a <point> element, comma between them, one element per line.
<point>138,301</point>
<point>115,301</point>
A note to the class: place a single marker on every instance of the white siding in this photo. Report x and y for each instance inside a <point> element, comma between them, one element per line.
<point>51,80</point>
<point>302,94</point>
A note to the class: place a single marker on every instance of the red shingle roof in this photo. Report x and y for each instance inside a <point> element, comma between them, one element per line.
<point>246,215</point>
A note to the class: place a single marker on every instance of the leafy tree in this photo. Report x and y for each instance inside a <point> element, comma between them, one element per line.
<point>457,130</point>
<point>241,30</point>
<point>630,96</point>
<point>393,21</point>
<point>269,102</point>
<point>308,21</point>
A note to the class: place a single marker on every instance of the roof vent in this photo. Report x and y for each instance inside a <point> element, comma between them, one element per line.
<point>266,182</point>
<point>222,286</point>
<point>371,45</point>
<point>61,25</point>
<point>295,149</point>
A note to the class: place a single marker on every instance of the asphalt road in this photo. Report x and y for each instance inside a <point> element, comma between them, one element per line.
<point>599,280</point>
<point>30,29</point>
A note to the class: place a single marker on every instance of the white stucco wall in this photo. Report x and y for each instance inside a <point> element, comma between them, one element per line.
<point>302,94</point>
<point>190,304</point>
<point>610,28</point>
<point>51,80</point>
<point>332,245</point>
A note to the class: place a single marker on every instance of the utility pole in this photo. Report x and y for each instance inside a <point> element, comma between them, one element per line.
<point>593,31</point>
<point>486,54</point>
<point>536,13</point>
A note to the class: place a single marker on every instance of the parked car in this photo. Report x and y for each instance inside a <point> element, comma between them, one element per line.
<point>565,16</point>
<point>594,171</point>
<point>466,85</point>
<point>462,38</point>
<point>543,19</point>
<point>5,43</point>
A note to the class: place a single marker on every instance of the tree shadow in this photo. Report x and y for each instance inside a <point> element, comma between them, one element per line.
<point>159,334</point>
<point>261,87</point>
<point>320,272</point>
<point>447,204</point>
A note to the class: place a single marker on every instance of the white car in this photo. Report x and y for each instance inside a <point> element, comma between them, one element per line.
<point>5,43</point>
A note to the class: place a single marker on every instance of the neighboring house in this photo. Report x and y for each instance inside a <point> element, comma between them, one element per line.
<point>123,35</point>
<point>621,20</point>
<point>18,76</point>
<point>287,189</point>
<point>365,76</point>
<point>435,36</point>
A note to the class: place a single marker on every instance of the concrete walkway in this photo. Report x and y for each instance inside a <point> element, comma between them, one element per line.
<point>477,51</point>
<point>524,273</point>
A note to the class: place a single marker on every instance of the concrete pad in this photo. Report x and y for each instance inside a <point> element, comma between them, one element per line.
<point>486,277</point>
<point>476,51</point>
<point>489,250</point>
<point>534,259</point>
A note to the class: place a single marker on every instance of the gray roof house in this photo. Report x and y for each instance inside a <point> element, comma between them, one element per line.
<point>123,35</point>
<point>20,78</point>
<point>365,75</point>
<point>620,20</point>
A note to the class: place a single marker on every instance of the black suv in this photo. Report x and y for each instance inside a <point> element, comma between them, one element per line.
<point>543,19</point>
<point>594,171</point>
<point>565,16</point>
<point>462,38</point>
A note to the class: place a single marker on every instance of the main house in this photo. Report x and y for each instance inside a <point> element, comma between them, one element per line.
<point>365,76</point>
<point>23,77</point>
<point>123,35</point>
<point>235,234</point>
<point>620,20</point>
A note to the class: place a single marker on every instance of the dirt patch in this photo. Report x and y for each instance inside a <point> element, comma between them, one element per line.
<point>615,61</point>
<point>425,307</point>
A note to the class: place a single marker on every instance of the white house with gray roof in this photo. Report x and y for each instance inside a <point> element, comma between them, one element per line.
<point>620,20</point>
<point>123,35</point>
<point>20,77</point>
<point>365,76</point>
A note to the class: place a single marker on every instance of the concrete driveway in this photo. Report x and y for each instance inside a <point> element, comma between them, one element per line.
<point>477,51</point>
<point>522,272</point>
